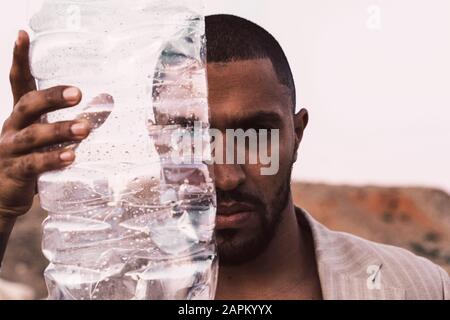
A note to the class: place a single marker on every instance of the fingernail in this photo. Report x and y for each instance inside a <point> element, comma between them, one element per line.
<point>18,39</point>
<point>80,129</point>
<point>71,94</point>
<point>67,156</point>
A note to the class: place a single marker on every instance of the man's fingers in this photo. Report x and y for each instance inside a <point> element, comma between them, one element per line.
<point>20,76</point>
<point>44,135</point>
<point>34,104</point>
<point>30,166</point>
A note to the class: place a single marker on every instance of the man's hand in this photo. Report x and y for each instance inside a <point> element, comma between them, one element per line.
<point>23,138</point>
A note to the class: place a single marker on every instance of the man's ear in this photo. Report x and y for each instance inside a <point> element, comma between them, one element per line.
<point>301,120</point>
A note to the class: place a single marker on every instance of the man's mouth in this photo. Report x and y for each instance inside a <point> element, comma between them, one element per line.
<point>233,215</point>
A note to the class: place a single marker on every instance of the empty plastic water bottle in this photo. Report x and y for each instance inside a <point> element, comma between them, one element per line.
<point>133,217</point>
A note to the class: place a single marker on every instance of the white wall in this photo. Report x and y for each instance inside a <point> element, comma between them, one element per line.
<point>375,75</point>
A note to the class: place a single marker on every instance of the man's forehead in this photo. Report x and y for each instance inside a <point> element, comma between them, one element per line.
<point>243,68</point>
<point>245,85</point>
<point>254,73</point>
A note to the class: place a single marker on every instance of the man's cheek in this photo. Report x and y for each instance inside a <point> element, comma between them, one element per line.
<point>287,151</point>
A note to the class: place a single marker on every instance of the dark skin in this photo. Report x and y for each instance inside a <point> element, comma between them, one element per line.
<point>268,255</point>
<point>247,94</point>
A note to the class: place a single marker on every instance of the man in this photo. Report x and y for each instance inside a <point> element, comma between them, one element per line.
<point>268,248</point>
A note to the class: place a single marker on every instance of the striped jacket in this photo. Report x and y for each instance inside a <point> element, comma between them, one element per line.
<point>352,268</point>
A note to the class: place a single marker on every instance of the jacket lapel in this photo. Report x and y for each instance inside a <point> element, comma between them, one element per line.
<point>345,274</point>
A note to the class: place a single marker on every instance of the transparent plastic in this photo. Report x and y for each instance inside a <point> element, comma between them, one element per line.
<point>126,221</point>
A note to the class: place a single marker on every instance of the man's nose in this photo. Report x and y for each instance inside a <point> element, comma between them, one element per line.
<point>228,176</point>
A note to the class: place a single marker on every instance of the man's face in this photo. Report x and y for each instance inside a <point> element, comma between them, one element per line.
<point>248,95</point>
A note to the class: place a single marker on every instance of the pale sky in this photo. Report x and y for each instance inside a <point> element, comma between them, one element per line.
<point>374,74</point>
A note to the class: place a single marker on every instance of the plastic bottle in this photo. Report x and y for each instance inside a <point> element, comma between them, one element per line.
<point>133,217</point>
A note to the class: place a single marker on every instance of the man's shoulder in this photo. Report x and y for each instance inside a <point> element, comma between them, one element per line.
<point>396,267</point>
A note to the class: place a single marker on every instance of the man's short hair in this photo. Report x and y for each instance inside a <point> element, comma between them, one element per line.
<point>231,38</point>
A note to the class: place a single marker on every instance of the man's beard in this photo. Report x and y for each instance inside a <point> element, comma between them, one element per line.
<point>240,246</point>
